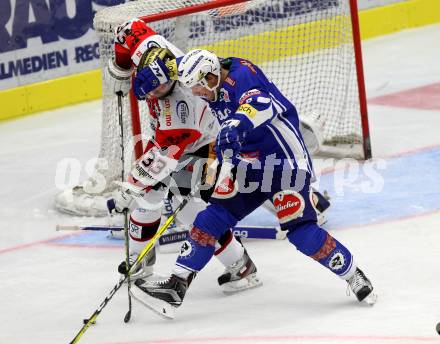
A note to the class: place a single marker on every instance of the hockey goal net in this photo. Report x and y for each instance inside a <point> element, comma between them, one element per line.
<point>309,48</point>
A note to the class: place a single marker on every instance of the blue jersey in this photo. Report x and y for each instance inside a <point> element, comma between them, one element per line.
<point>247,91</point>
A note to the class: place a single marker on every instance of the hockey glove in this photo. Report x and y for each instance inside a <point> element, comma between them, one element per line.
<point>118,79</point>
<point>123,197</point>
<point>150,77</point>
<point>231,138</point>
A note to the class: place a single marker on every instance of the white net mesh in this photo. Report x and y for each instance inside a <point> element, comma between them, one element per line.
<point>306,47</point>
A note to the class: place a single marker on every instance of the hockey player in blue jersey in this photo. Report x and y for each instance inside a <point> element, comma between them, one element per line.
<point>260,138</point>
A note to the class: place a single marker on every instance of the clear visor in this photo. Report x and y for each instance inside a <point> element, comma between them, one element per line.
<point>204,83</point>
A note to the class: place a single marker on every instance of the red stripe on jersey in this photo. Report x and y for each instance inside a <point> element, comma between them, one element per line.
<point>179,138</point>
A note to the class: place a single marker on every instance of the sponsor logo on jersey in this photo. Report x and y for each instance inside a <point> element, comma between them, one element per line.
<point>289,205</point>
<point>245,97</point>
<point>167,112</point>
<point>226,188</point>
<point>248,110</point>
<point>182,111</point>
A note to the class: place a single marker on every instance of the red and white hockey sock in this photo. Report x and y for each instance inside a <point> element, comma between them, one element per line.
<point>228,249</point>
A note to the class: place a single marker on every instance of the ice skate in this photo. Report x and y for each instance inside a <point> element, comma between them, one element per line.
<point>362,287</point>
<point>163,297</point>
<point>239,276</point>
<point>144,270</point>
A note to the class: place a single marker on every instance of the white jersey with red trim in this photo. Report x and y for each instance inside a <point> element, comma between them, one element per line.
<point>182,120</point>
<point>181,124</point>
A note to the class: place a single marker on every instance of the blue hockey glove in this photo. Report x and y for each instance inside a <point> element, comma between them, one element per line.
<point>150,77</point>
<point>230,139</point>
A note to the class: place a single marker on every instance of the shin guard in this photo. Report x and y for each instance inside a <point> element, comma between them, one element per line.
<point>316,243</point>
<point>196,251</point>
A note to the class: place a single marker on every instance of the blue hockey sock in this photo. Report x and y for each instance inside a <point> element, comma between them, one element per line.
<point>196,251</point>
<point>316,243</point>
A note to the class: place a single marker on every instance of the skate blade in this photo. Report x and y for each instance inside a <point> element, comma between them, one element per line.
<point>161,308</point>
<point>370,300</point>
<point>251,281</point>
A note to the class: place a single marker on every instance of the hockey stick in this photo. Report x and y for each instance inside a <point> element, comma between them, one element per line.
<point>126,238</point>
<point>141,256</point>
<point>244,231</point>
<point>144,252</point>
<point>88,228</point>
<point>127,316</point>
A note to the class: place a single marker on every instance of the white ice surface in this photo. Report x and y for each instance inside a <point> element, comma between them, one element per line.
<point>47,289</point>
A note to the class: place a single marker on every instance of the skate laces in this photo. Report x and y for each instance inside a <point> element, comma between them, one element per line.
<point>159,283</point>
<point>163,282</point>
<point>357,281</point>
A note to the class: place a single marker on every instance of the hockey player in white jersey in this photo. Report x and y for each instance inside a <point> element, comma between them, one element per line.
<point>183,130</point>
<point>131,40</point>
<point>259,127</point>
